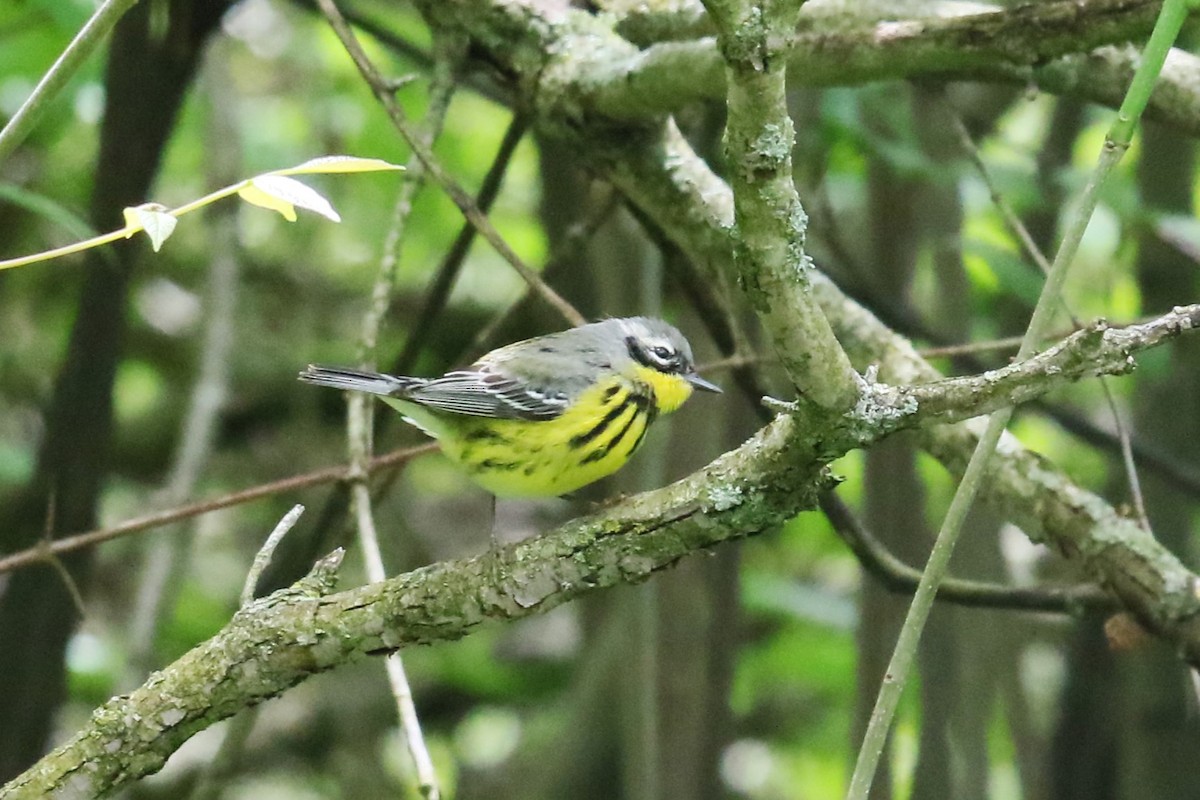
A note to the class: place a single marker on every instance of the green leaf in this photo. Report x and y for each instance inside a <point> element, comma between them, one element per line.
<point>284,194</point>
<point>151,218</point>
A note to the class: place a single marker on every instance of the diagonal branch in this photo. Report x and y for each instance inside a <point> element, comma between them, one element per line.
<point>444,179</point>
<point>282,639</point>
<point>1098,349</point>
<point>654,167</point>
<point>77,541</point>
<point>897,576</point>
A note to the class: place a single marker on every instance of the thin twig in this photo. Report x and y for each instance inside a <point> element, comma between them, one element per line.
<point>410,723</point>
<point>438,292</point>
<point>970,348</point>
<point>39,553</point>
<point>44,548</point>
<point>263,557</point>
<point>475,80</point>
<point>439,174</point>
<point>736,361</point>
<point>360,410</point>
<point>221,765</point>
<point>896,576</point>
<point>1166,28</point>
<point>1035,254</point>
<point>568,250</point>
<point>69,582</point>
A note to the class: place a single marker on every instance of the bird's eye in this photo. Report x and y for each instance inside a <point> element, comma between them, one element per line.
<point>657,356</point>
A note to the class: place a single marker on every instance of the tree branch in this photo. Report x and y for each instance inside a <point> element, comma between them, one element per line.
<point>897,576</point>
<point>1098,349</point>
<point>282,639</point>
<point>466,204</point>
<point>770,222</point>
<point>1007,44</point>
<point>279,641</point>
<point>1114,551</point>
<point>656,169</point>
<point>78,541</point>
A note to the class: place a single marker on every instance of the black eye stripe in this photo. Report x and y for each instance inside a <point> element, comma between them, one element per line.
<point>660,357</point>
<point>636,352</point>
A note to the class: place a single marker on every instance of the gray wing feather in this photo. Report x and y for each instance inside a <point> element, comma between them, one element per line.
<point>534,380</point>
<point>487,392</point>
<point>356,380</point>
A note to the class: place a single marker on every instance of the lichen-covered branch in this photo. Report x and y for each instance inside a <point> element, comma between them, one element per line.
<point>277,642</point>
<point>1098,349</point>
<point>1112,549</point>
<point>1005,44</point>
<point>770,223</point>
<point>1063,47</point>
<point>674,188</point>
<point>556,58</point>
<point>280,640</point>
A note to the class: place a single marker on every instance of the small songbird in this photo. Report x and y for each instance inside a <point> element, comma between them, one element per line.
<point>544,416</point>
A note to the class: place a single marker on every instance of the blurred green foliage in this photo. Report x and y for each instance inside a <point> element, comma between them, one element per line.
<point>304,286</point>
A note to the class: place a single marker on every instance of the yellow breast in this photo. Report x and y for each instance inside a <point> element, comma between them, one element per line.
<point>520,458</point>
<point>670,391</point>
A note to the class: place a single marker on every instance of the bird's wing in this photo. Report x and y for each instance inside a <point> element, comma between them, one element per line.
<point>490,391</point>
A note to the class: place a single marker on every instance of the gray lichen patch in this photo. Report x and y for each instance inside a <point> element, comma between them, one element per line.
<point>171,717</point>
<point>881,407</point>
<point>724,496</point>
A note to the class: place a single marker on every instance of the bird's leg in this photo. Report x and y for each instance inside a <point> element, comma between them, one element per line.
<point>495,538</point>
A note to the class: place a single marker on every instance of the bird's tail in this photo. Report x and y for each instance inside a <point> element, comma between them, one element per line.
<point>358,381</point>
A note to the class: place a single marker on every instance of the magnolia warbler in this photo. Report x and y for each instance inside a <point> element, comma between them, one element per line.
<point>544,416</point>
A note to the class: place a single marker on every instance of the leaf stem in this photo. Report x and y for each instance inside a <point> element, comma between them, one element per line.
<point>329,165</point>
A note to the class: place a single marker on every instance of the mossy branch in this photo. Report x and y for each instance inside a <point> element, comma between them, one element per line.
<point>278,641</point>
<point>770,223</point>
<point>1009,44</point>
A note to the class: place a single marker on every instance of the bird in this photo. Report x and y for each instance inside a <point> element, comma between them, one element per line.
<point>544,416</point>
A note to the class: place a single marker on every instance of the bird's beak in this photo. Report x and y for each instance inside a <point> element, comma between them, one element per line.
<point>700,383</point>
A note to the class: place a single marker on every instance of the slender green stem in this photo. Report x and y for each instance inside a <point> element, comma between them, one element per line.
<point>1166,28</point>
<point>65,250</point>
<point>1162,38</point>
<point>60,72</point>
<point>123,233</point>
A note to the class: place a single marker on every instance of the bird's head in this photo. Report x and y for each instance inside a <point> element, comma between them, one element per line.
<point>662,358</point>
